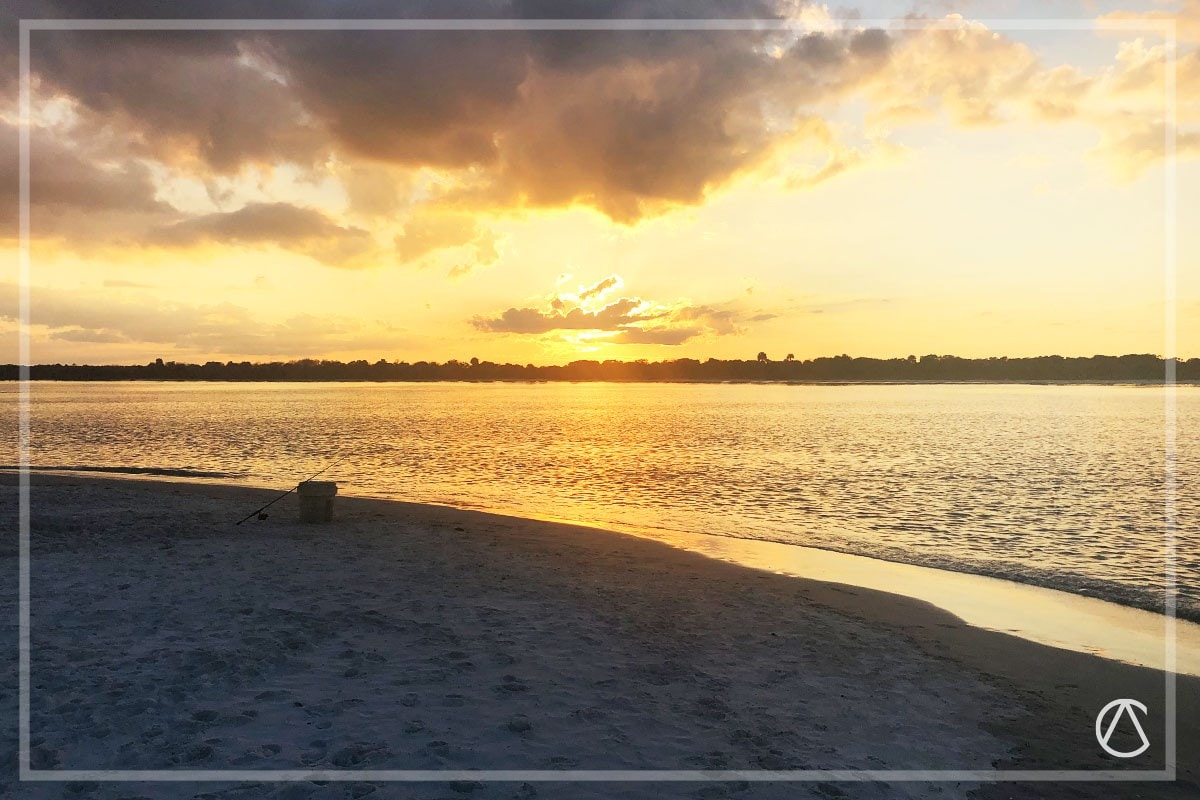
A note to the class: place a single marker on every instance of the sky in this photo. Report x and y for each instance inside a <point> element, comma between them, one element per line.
<point>855,184</point>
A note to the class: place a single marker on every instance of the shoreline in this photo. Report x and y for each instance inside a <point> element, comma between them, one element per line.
<point>620,591</point>
<point>1094,592</point>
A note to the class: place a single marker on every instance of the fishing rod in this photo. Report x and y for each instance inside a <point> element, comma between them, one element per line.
<point>259,512</point>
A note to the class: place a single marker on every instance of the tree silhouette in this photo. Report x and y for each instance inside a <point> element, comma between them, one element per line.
<point>1038,369</point>
<point>790,357</point>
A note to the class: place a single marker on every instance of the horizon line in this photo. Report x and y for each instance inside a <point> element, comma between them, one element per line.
<point>761,357</point>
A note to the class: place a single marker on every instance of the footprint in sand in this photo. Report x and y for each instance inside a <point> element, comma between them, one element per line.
<point>198,752</point>
<point>153,733</point>
<point>43,758</point>
<point>359,753</point>
<point>590,714</point>
<point>82,787</point>
<point>311,757</point>
<point>511,684</point>
<point>519,723</point>
<point>255,754</point>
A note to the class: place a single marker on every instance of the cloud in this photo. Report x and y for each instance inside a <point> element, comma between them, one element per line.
<point>88,335</point>
<point>616,316</point>
<point>611,282</point>
<point>838,156</point>
<point>628,320</point>
<point>1130,144</point>
<point>977,77</point>
<point>182,97</point>
<point>635,137</point>
<point>303,230</point>
<point>222,328</point>
<point>373,191</point>
<point>1186,17</point>
<point>966,71</point>
<point>429,231</point>
<point>722,322</point>
<point>1057,95</point>
<point>662,335</point>
<point>71,189</point>
<point>630,123</point>
<point>431,123</point>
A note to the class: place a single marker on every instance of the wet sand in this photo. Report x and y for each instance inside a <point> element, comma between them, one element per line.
<point>411,637</point>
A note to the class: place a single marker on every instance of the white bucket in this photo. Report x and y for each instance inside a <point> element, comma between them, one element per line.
<point>316,500</point>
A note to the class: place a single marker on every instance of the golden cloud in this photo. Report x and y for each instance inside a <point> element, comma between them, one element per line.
<point>627,320</point>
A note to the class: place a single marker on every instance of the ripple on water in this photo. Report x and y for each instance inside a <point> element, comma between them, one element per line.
<point>1056,485</point>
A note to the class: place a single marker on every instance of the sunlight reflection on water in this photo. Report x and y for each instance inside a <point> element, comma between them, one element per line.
<point>1056,485</point>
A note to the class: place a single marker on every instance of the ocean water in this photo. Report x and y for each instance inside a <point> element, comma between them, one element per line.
<point>1061,486</point>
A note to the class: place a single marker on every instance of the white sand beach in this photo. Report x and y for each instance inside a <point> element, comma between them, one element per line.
<point>408,637</point>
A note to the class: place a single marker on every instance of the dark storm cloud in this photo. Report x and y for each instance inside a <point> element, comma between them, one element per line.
<point>582,51</point>
<point>408,98</point>
<point>180,96</point>
<point>628,122</point>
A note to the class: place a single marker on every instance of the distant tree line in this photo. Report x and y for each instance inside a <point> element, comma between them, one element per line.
<point>836,368</point>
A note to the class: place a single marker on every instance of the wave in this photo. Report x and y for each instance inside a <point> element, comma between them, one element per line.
<point>163,471</point>
<point>1146,598</point>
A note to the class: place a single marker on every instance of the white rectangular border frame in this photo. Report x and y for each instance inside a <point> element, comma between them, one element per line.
<point>1162,27</point>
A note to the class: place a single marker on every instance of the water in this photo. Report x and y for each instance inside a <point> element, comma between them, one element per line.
<point>1061,486</point>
